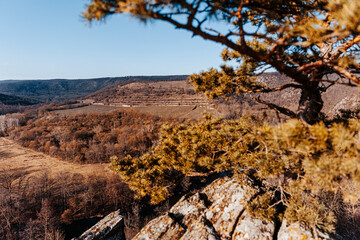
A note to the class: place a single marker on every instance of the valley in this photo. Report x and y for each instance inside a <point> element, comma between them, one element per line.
<point>60,151</point>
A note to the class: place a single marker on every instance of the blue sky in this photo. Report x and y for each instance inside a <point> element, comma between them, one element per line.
<point>42,39</point>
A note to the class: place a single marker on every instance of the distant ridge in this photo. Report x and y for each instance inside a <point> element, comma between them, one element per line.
<point>9,81</point>
<point>64,89</point>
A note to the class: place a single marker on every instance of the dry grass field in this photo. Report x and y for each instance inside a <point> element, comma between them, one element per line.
<point>191,112</point>
<point>13,158</point>
<point>174,99</point>
<point>85,110</point>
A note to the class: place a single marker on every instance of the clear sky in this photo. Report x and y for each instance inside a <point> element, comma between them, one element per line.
<point>42,39</point>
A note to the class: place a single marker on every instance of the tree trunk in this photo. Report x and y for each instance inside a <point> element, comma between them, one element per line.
<point>310,103</point>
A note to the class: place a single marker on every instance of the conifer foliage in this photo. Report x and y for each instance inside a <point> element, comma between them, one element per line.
<point>295,166</point>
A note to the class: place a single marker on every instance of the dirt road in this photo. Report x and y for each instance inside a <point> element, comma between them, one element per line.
<point>15,157</point>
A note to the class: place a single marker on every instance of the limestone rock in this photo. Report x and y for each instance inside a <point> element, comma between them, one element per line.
<point>249,228</point>
<point>219,212</point>
<point>229,199</point>
<point>211,214</point>
<point>296,231</point>
<point>202,229</point>
<point>163,227</point>
<point>110,227</point>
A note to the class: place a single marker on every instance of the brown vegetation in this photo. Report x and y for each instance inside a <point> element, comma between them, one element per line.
<point>5,109</point>
<point>39,194</point>
<point>42,197</point>
<point>90,138</point>
<point>41,207</point>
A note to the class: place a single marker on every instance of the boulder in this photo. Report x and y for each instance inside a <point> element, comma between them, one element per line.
<point>110,227</point>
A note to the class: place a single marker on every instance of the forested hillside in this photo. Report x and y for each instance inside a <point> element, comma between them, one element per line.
<point>90,138</point>
<point>14,100</point>
<point>45,198</point>
<point>12,104</point>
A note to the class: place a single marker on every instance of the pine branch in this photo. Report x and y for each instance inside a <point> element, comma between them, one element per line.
<point>282,110</point>
<point>269,90</point>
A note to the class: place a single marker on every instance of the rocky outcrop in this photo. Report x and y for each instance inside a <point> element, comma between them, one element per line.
<point>219,212</point>
<point>110,227</point>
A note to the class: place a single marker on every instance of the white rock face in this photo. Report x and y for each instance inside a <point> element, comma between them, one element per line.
<point>249,228</point>
<point>218,212</point>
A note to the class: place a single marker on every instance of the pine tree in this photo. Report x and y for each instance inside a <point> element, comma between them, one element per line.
<point>313,42</point>
<point>296,166</point>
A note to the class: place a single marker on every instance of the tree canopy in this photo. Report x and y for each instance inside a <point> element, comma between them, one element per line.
<point>313,42</point>
<point>297,168</point>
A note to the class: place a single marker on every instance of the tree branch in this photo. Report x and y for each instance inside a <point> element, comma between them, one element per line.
<point>345,73</point>
<point>335,54</point>
<point>280,66</point>
<point>282,110</point>
<point>269,90</point>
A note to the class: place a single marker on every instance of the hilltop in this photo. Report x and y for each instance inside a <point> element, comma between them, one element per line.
<point>167,93</point>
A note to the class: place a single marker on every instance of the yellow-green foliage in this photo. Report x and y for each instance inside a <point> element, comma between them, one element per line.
<point>293,164</point>
<point>228,81</point>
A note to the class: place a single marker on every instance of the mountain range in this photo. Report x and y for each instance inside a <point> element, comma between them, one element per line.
<point>64,89</point>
